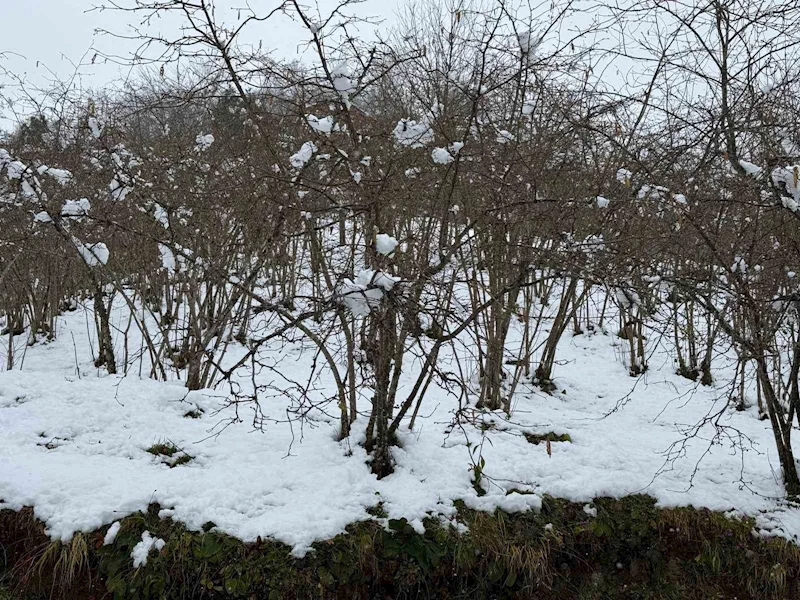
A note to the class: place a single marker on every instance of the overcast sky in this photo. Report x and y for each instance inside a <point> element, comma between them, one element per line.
<point>45,39</point>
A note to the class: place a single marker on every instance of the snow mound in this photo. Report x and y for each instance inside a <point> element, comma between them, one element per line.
<point>143,548</point>
<point>111,534</point>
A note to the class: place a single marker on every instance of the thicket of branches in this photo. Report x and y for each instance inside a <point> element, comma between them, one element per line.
<point>475,187</point>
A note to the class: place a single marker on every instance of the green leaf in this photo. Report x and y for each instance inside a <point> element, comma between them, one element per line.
<point>495,572</point>
<point>209,548</point>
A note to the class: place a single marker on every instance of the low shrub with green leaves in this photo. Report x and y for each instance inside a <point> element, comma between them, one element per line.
<point>630,549</point>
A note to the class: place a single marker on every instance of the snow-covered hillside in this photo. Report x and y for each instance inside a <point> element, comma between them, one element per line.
<point>460,262</point>
<point>75,441</point>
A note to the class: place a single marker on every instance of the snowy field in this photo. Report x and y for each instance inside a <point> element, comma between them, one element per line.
<point>73,445</point>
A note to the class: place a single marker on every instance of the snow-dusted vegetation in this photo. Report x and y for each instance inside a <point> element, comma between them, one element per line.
<point>454,265</point>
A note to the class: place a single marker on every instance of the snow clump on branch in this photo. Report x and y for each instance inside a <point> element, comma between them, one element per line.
<point>385,244</point>
<point>203,142</point>
<point>302,156</point>
<point>365,293</point>
<point>413,134</point>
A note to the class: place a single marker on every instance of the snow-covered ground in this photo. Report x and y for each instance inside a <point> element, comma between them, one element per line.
<point>73,444</point>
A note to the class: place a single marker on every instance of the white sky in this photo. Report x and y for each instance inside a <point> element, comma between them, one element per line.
<point>44,39</point>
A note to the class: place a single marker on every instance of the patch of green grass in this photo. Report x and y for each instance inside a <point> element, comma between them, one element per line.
<point>5,593</point>
<point>378,511</point>
<point>538,438</point>
<point>631,550</point>
<point>174,456</point>
<point>163,449</point>
<point>180,460</point>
